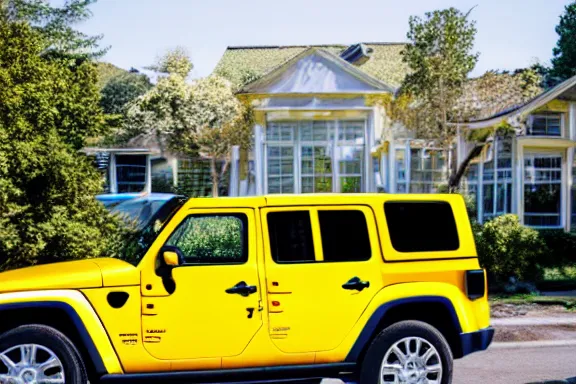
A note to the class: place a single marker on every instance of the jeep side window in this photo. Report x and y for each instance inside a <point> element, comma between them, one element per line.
<point>344,235</point>
<point>418,226</point>
<point>291,237</point>
<point>212,239</point>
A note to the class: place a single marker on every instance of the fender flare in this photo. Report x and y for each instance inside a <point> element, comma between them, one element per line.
<point>85,337</point>
<point>371,328</point>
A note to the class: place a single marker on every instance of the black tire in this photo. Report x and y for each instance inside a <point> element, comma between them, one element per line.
<point>55,341</point>
<point>370,369</point>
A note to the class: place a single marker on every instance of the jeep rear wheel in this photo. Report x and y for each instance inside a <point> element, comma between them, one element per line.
<point>408,352</point>
<point>37,354</point>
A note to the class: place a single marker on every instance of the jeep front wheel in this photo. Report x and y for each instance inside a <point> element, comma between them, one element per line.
<point>408,352</point>
<point>38,354</point>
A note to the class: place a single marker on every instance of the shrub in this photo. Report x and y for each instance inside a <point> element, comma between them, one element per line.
<point>561,248</point>
<point>508,249</point>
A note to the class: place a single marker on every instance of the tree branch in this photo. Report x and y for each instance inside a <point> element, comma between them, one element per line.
<point>454,180</point>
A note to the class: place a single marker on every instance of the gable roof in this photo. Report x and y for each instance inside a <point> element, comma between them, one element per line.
<point>245,63</point>
<point>566,89</point>
<point>316,70</point>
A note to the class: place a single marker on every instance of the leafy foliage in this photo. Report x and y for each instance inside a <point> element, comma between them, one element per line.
<point>204,118</point>
<point>440,59</point>
<point>564,60</point>
<point>175,62</point>
<point>122,89</point>
<point>508,249</point>
<point>56,26</point>
<point>47,207</point>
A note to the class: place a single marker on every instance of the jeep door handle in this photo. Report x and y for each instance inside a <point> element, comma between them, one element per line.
<point>242,289</point>
<point>356,284</point>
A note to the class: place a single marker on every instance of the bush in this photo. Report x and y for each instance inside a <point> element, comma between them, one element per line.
<point>508,249</point>
<point>561,248</point>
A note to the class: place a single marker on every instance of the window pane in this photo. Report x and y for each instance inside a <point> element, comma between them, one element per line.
<point>291,236</point>
<point>344,236</point>
<point>280,169</point>
<point>316,165</point>
<point>212,239</point>
<point>131,173</point>
<point>542,190</point>
<point>421,226</point>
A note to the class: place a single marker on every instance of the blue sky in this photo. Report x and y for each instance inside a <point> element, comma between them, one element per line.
<point>511,33</point>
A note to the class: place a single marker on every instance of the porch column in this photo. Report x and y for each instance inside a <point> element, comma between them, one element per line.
<point>572,121</point>
<point>234,174</point>
<point>569,184</point>
<point>113,177</point>
<point>148,174</point>
<point>519,196</point>
<point>258,159</point>
<point>391,167</point>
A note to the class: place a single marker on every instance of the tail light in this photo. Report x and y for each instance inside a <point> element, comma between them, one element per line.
<point>475,284</point>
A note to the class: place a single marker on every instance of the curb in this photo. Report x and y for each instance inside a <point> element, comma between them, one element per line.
<point>532,344</point>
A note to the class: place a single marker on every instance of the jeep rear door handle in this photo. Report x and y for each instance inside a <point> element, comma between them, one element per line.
<point>242,289</point>
<point>356,284</point>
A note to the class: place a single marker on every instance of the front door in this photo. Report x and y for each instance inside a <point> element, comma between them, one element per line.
<point>323,268</point>
<point>211,309</point>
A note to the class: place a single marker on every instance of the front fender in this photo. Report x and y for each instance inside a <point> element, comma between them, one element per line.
<point>83,316</point>
<point>466,316</point>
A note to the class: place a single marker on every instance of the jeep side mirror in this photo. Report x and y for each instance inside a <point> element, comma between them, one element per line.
<point>171,258</point>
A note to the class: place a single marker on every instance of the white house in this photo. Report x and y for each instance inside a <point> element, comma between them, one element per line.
<point>319,129</point>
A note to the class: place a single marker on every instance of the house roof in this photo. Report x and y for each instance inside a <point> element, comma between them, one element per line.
<point>566,89</point>
<point>243,64</point>
<point>328,57</point>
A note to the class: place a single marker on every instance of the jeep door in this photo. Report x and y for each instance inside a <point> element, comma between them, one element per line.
<point>323,267</point>
<point>207,306</point>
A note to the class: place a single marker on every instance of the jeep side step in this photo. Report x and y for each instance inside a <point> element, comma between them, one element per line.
<point>263,375</point>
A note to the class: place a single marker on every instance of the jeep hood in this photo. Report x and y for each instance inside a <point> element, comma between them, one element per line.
<point>90,273</point>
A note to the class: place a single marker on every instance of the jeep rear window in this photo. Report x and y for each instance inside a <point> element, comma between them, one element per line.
<point>423,226</point>
<point>291,237</point>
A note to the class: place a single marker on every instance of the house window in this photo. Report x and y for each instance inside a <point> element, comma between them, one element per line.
<point>546,125</point>
<point>497,178</point>
<point>131,173</point>
<point>400,166</point>
<point>427,170</point>
<point>315,156</point>
<point>542,190</point>
<point>472,183</point>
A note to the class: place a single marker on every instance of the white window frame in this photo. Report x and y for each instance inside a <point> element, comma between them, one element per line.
<point>334,143</point>
<point>546,116</point>
<point>560,182</point>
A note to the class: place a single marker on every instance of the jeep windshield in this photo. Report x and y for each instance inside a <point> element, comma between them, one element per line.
<point>145,233</point>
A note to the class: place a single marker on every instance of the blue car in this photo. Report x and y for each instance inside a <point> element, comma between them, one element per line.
<point>142,209</point>
<point>113,199</point>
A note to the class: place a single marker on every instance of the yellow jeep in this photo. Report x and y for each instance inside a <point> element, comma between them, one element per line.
<point>372,288</point>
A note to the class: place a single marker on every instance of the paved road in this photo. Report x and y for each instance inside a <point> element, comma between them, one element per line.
<point>517,365</point>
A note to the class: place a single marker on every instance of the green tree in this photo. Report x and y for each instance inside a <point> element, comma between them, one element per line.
<point>47,207</point>
<point>440,58</point>
<point>56,24</point>
<point>564,60</point>
<point>203,118</point>
<point>122,89</point>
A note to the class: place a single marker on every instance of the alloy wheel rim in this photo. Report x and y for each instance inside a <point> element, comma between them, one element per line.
<point>36,364</point>
<point>411,360</point>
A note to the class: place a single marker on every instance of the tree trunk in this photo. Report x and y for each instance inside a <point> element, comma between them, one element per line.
<point>215,176</point>
<point>455,178</point>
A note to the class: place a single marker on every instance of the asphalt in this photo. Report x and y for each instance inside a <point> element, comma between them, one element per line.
<point>551,362</point>
<point>518,363</point>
